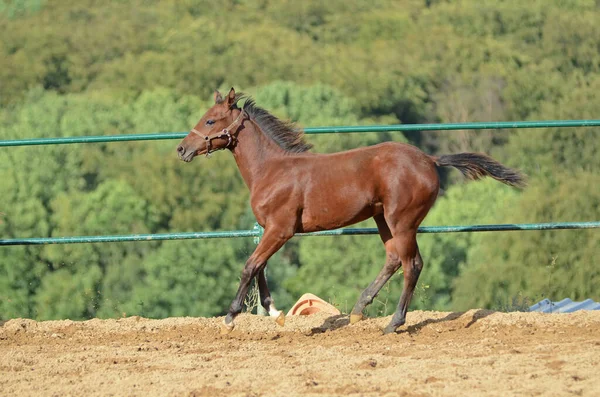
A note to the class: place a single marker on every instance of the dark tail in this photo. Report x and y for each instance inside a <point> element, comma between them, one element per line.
<point>476,166</point>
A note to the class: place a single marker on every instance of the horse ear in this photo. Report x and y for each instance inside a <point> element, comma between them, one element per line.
<point>218,97</point>
<point>231,96</point>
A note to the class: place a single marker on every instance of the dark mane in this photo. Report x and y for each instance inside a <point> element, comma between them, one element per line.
<point>285,134</point>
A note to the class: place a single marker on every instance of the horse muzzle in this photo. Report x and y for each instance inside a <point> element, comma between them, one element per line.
<point>185,154</point>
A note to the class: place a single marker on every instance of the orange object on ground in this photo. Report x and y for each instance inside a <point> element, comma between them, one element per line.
<point>310,304</point>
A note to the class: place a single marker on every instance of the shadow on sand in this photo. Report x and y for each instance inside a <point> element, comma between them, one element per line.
<point>339,321</point>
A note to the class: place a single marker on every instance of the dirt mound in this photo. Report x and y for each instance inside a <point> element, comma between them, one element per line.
<point>474,353</point>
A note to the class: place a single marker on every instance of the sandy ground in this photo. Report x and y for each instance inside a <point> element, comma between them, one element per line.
<point>439,354</point>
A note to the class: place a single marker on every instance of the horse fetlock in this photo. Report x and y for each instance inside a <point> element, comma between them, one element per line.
<point>234,309</point>
<point>267,303</point>
<point>393,326</point>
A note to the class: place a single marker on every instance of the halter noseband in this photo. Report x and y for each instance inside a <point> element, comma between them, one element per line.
<point>224,133</point>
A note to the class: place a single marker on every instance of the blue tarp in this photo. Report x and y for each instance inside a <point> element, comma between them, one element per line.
<point>564,306</point>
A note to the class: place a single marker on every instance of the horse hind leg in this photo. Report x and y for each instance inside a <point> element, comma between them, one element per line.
<point>392,264</point>
<point>266,300</point>
<point>403,223</point>
<point>412,264</point>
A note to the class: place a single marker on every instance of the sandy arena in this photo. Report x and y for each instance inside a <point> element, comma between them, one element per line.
<point>439,354</point>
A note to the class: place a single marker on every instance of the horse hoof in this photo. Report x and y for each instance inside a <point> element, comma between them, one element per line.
<point>226,328</point>
<point>388,330</point>
<point>280,319</point>
<point>354,318</point>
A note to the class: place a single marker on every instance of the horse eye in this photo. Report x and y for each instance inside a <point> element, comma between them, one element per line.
<point>210,122</point>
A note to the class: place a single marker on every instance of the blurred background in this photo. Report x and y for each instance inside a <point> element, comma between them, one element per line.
<point>88,67</point>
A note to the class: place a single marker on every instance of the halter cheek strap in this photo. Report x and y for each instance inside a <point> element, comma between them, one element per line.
<point>224,133</point>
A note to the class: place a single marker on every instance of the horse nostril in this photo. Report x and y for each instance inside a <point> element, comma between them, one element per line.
<point>180,149</point>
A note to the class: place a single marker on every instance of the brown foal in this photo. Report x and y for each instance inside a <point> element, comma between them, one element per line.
<point>294,191</point>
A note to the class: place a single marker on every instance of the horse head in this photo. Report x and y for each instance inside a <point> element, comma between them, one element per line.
<point>216,129</point>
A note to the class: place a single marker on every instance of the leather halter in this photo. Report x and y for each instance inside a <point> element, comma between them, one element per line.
<point>224,133</point>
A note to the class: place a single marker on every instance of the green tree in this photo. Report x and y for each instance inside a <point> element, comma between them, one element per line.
<point>546,264</point>
<point>73,287</point>
<point>29,179</point>
<point>445,254</point>
<point>181,278</point>
<point>90,68</point>
<point>318,105</point>
<point>544,152</point>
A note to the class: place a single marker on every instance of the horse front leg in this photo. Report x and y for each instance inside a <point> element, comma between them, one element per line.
<point>272,240</point>
<point>266,300</point>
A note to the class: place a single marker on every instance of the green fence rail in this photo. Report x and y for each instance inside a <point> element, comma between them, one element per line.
<point>316,130</point>
<point>257,232</point>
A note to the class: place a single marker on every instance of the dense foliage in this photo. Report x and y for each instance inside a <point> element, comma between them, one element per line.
<point>91,68</point>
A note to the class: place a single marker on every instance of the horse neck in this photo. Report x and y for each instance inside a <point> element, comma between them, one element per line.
<point>252,151</point>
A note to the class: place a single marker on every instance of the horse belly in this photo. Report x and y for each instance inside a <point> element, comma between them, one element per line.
<point>332,207</point>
